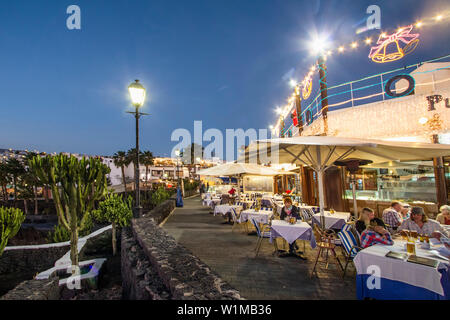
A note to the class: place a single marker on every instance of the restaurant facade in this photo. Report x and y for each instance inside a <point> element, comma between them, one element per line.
<point>420,113</point>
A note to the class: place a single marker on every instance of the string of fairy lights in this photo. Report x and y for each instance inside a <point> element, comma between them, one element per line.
<point>303,89</point>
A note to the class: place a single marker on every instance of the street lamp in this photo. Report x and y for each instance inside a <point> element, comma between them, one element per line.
<point>137,95</point>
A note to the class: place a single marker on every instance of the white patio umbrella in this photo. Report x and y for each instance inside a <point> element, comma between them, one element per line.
<point>319,153</point>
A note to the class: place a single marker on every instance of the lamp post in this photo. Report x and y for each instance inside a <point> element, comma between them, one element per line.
<point>137,95</point>
<point>177,154</point>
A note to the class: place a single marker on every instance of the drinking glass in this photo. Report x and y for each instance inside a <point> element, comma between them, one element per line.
<point>411,248</point>
<point>404,234</point>
<point>414,235</point>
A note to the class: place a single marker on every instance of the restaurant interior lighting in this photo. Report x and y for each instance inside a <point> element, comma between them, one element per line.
<point>419,24</point>
<point>368,40</point>
<point>438,17</point>
<point>354,45</point>
<point>423,120</point>
<point>341,49</point>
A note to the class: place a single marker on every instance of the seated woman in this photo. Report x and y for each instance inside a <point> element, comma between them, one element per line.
<point>444,216</point>
<point>288,211</point>
<point>367,215</point>
<point>375,234</point>
<point>419,222</point>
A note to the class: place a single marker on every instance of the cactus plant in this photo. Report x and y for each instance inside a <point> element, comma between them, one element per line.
<point>10,221</point>
<point>76,185</point>
<point>116,211</point>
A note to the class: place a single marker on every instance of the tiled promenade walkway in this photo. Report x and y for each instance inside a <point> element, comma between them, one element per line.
<point>231,255</point>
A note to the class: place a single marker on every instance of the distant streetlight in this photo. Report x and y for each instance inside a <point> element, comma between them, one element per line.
<point>137,95</point>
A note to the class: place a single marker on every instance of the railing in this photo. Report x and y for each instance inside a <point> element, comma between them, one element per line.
<point>366,90</point>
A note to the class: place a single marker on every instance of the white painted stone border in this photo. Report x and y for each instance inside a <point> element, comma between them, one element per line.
<point>65,262</point>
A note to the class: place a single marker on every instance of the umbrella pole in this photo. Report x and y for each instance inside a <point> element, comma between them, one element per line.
<point>321,197</point>
<point>355,204</point>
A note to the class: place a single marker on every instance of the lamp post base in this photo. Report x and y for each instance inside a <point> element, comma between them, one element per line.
<point>137,212</point>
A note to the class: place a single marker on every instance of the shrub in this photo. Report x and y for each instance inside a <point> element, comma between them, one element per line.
<point>10,221</point>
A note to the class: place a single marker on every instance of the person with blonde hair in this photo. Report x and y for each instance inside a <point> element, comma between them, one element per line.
<point>365,217</point>
<point>444,216</point>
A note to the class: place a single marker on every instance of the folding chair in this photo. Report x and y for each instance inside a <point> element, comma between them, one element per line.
<point>350,245</point>
<point>262,233</point>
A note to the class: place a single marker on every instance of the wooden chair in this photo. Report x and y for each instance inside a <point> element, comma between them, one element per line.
<point>325,243</point>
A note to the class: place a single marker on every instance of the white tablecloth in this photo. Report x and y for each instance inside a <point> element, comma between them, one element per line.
<point>289,232</point>
<point>336,220</point>
<point>211,202</point>
<point>262,216</point>
<point>225,208</point>
<point>399,270</point>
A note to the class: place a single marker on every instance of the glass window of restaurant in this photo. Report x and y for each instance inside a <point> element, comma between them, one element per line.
<point>413,182</point>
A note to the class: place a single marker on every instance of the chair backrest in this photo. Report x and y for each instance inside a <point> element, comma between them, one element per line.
<point>258,231</point>
<point>348,241</point>
<point>306,214</point>
<point>234,215</point>
<point>347,227</point>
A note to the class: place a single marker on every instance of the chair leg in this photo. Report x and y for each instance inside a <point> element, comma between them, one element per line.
<point>315,263</point>
<point>258,247</point>
<point>345,268</point>
<point>337,259</point>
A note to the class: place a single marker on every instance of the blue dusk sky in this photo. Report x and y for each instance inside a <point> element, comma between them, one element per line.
<point>225,62</point>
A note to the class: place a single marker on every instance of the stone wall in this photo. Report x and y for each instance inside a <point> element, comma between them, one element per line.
<point>162,211</point>
<point>140,280</point>
<point>31,261</point>
<point>150,255</point>
<point>35,290</point>
<point>190,193</point>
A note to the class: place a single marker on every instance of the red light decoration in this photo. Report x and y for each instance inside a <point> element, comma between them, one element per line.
<point>383,51</point>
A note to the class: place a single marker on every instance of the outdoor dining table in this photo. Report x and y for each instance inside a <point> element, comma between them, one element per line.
<point>261,216</point>
<point>292,232</point>
<point>381,277</point>
<point>212,202</point>
<point>226,208</point>
<point>333,220</point>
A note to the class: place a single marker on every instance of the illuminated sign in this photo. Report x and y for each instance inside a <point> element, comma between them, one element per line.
<point>395,46</point>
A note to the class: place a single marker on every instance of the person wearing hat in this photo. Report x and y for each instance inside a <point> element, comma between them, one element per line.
<point>375,233</point>
<point>422,224</point>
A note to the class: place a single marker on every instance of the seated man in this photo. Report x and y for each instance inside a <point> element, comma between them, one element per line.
<point>423,225</point>
<point>392,216</point>
<point>367,215</point>
<point>375,234</point>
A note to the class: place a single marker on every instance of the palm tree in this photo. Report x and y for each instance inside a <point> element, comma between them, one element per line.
<point>16,170</point>
<point>147,160</point>
<point>122,160</point>
<point>31,179</point>
<point>4,180</point>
